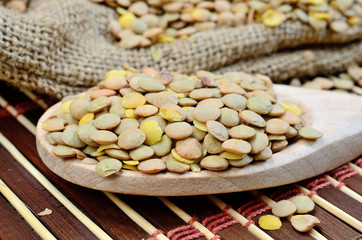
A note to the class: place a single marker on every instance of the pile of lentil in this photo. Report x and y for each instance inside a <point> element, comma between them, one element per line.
<point>170,121</point>
<point>345,82</point>
<point>144,23</point>
<point>302,222</point>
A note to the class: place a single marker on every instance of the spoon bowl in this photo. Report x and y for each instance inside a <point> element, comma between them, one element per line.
<point>337,115</point>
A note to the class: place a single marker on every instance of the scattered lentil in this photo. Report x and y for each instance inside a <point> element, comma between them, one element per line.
<point>270,222</point>
<point>349,81</point>
<point>304,223</point>
<point>284,208</point>
<point>303,203</point>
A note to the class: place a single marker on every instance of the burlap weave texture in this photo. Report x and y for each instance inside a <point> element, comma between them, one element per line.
<point>60,47</point>
<point>288,64</point>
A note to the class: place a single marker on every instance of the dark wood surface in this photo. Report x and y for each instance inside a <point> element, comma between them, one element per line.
<point>354,183</point>
<point>336,197</point>
<point>37,198</point>
<point>101,210</point>
<point>10,221</point>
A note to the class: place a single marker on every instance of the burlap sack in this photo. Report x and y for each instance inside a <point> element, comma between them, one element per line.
<point>60,47</point>
<point>301,63</point>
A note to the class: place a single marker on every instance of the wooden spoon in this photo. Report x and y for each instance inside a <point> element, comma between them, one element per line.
<point>337,115</point>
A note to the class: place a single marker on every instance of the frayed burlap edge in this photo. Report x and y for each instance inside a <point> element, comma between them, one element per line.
<point>279,66</point>
<point>301,63</point>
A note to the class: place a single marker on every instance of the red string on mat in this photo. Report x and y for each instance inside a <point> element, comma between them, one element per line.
<point>286,194</point>
<point>215,224</point>
<point>192,220</point>
<point>248,204</point>
<point>26,106</point>
<point>255,210</point>
<point>341,184</point>
<point>358,162</point>
<point>342,173</point>
<point>21,108</point>
<point>224,225</point>
<point>6,106</point>
<point>218,222</point>
<point>248,223</point>
<point>178,229</point>
<point>227,207</point>
<point>185,232</point>
<point>158,231</point>
<point>216,237</point>
<point>260,211</point>
<point>211,218</point>
<point>4,113</point>
<point>316,185</point>
<point>154,234</point>
<point>188,235</point>
<point>312,193</point>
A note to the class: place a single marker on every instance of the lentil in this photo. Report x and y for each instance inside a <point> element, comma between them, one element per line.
<point>304,223</point>
<point>214,163</point>
<point>270,222</point>
<point>303,203</point>
<point>108,166</point>
<point>284,208</point>
<point>153,165</point>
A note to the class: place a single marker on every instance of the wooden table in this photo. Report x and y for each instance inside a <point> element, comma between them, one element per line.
<point>81,213</point>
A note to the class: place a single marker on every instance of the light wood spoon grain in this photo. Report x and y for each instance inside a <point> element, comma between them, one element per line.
<point>337,115</point>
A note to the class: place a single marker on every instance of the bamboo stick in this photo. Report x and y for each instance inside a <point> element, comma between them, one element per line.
<point>316,235</point>
<point>333,210</point>
<point>344,189</point>
<point>355,167</point>
<point>257,232</point>
<point>184,216</point>
<point>33,97</point>
<point>52,189</point>
<point>22,209</point>
<point>137,218</point>
<point>313,233</point>
<point>21,118</point>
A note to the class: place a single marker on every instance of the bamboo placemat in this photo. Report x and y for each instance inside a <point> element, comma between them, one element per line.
<point>28,187</point>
